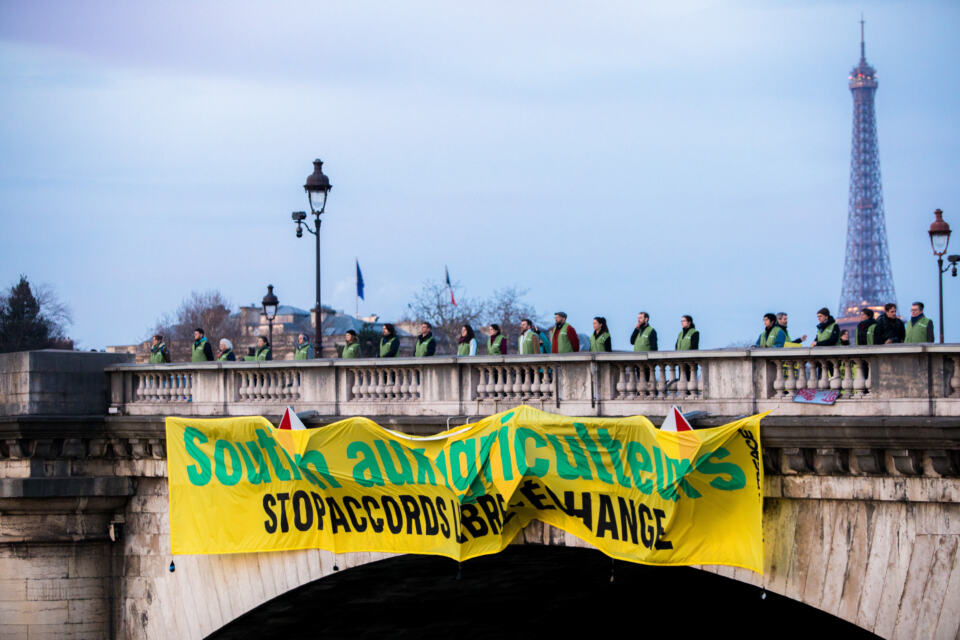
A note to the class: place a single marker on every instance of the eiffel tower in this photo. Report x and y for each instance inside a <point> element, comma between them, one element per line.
<point>867,276</point>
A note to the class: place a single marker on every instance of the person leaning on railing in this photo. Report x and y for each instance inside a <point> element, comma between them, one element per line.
<point>772,336</point>
<point>828,332</point>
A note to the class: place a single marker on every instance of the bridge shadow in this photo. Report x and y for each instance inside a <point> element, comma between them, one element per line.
<point>525,592</point>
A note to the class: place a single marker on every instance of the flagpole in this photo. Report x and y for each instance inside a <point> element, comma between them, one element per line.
<point>356,288</point>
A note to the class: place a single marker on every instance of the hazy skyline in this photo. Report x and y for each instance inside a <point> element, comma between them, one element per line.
<point>608,158</point>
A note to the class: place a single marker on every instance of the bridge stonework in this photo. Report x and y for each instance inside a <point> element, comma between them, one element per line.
<point>861,516</point>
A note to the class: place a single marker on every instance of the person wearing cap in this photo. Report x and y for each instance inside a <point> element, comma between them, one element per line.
<point>828,331</point>
<point>389,343</point>
<point>226,351</point>
<point>563,337</point>
<point>352,348</point>
<point>200,351</point>
<point>304,350</point>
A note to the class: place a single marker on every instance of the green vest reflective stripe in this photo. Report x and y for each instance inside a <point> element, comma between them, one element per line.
<point>563,340</point>
<point>596,342</point>
<point>916,331</point>
<point>642,343</point>
<point>871,331</point>
<point>385,346</point>
<point>493,345</point>
<point>197,355</point>
<point>683,341</point>
<point>771,340</point>
<point>525,343</point>
<point>225,356</point>
<point>304,352</point>
<point>826,333</point>
<point>156,357</point>
<point>421,348</point>
<point>351,350</point>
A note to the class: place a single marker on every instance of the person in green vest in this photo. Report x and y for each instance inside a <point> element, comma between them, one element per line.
<point>467,343</point>
<point>304,350</point>
<point>772,335</point>
<point>529,341</point>
<point>263,352</point>
<point>828,331</point>
<point>782,323</point>
<point>158,350</point>
<point>644,337</point>
<point>563,337</point>
<point>389,343</point>
<point>866,328</point>
<point>352,348</point>
<point>426,344</point>
<point>600,338</point>
<point>226,351</point>
<point>920,327</point>
<point>689,338</point>
<point>497,344</point>
<point>201,351</point>
<point>544,337</point>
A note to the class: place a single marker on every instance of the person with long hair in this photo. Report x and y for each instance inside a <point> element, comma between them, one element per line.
<point>689,338</point>
<point>497,346</point>
<point>467,344</point>
<point>600,339</point>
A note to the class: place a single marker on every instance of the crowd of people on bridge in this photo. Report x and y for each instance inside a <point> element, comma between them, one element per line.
<point>873,329</point>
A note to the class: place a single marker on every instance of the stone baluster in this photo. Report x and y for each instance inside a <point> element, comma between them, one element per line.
<point>848,371</point>
<point>693,385</point>
<point>621,386</point>
<point>498,387</point>
<point>790,381</point>
<point>683,371</point>
<point>859,381</point>
<point>523,376</point>
<point>835,374</point>
<point>517,377</point>
<point>660,372</point>
<point>778,378</point>
<point>799,367</point>
<point>955,378</point>
<point>378,385</point>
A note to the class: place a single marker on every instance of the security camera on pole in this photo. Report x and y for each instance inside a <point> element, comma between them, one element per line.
<point>317,187</point>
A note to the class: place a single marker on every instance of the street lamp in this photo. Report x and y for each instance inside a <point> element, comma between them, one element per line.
<point>939,240</point>
<point>270,304</point>
<point>317,187</point>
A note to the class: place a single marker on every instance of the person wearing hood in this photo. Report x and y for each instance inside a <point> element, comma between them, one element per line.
<point>828,332</point>
<point>497,345</point>
<point>426,344</point>
<point>200,351</point>
<point>689,338</point>
<point>563,337</point>
<point>600,339</point>
<point>920,327</point>
<point>866,328</point>
<point>772,336</point>
<point>389,343</point>
<point>467,343</point>
<point>226,351</point>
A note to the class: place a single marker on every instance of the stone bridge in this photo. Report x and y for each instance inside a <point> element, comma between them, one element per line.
<point>861,517</point>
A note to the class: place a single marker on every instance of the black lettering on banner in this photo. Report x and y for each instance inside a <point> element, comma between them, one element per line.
<point>444,523</point>
<point>411,510</point>
<point>628,520</point>
<point>471,520</point>
<point>270,524</point>
<point>457,517</point>
<point>391,511</point>
<point>337,519</point>
<point>505,517</point>
<point>661,543</point>
<point>569,507</point>
<point>359,524</point>
<point>429,511</point>
<point>489,506</point>
<point>369,504</point>
<point>283,497</point>
<point>606,520</point>
<point>302,516</point>
<point>529,490</point>
<point>320,509</point>
<point>647,532</point>
<point>754,447</point>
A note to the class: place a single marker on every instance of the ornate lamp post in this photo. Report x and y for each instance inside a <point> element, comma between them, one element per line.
<point>939,240</point>
<point>317,187</point>
<point>270,304</point>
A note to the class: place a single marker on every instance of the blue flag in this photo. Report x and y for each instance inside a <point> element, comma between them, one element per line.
<point>359,282</point>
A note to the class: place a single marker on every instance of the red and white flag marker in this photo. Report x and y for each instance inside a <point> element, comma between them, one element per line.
<point>290,420</point>
<point>675,421</point>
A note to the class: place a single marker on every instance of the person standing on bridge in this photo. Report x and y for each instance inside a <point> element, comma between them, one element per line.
<point>226,351</point>
<point>866,328</point>
<point>304,350</point>
<point>467,344</point>
<point>263,352</point>
<point>426,344</point>
<point>563,337</point>
<point>772,335</point>
<point>529,341</point>
<point>689,338</point>
<point>600,339</point>
<point>782,319</point>
<point>497,344</point>
<point>201,351</point>
<point>352,348</point>
<point>644,337</point>
<point>920,327</point>
<point>828,332</point>
<point>389,343</point>
<point>158,350</point>
<point>889,326</point>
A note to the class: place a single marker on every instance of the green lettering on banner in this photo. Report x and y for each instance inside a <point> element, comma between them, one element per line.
<point>365,472</point>
<point>564,468</point>
<point>268,444</point>
<point>401,476</point>
<point>614,447</point>
<point>540,465</point>
<point>227,480</point>
<point>458,449</point>
<point>638,459</point>
<point>602,472</point>
<point>199,474</point>
<point>257,471</point>
<point>679,469</point>
<point>706,465</point>
<point>315,459</point>
<point>503,441</point>
<point>424,468</point>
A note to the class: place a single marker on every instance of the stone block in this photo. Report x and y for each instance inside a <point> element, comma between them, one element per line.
<point>70,631</point>
<point>90,562</point>
<point>69,589</point>
<point>13,632</point>
<point>87,610</point>
<point>13,589</point>
<point>35,612</point>
<point>34,567</point>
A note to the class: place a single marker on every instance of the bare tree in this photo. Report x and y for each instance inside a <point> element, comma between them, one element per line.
<point>506,307</point>
<point>432,304</point>
<point>208,310</point>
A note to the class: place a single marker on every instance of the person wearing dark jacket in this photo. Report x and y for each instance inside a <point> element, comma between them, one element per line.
<point>226,351</point>
<point>828,332</point>
<point>201,351</point>
<point>866,328</point>
<point>644,337</point>
<point>920,327</point>
<point>158,351</point>
<point>890,327</point>
<point>600,340</point>
<point>773,335</point>
<point>497,346</point>
<point>689,338</point>
<point>426,344</point>
<point>389,343</point>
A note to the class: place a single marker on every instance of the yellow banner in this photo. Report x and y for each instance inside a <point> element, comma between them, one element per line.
<point>634,492</point>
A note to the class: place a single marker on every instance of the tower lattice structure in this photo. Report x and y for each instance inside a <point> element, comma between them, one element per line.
<point>867,276</point>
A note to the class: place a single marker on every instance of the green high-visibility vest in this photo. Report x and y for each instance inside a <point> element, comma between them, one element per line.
<point>197,354</point>
<point>826,333</point>
<point>386,346</point>
<point>917,331</point>
<point>156,356</point>
<point>642,343</point>
<point>871,330</point>
<point>771,340</point>
<point>225,356</point>
<point>351,350</point>
<point>304,352</point>
<point>683,341</point>
<point>493,345</point>
<point>421,348</point>
<point>596,342</point>
<point>563,340</point>
<point>525,343</point>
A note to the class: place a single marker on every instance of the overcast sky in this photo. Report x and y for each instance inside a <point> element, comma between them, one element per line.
<point>609,157</point>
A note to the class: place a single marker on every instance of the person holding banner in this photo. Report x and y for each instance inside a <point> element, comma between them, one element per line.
<point>389,343</point>
<point>467,344</point>
<point>782,319</point>
<point>352,348</point>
